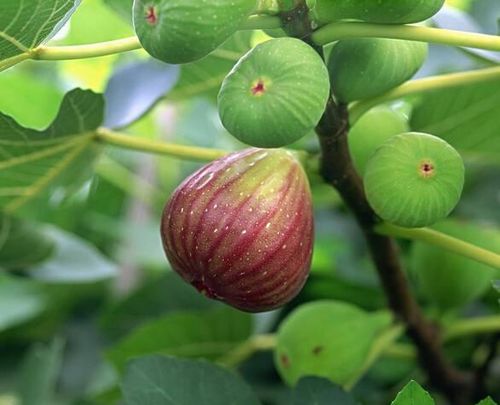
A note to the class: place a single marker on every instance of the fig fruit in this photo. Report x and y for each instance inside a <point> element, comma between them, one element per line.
<point>367,67</point>
<point>275,94</point>
<point>240,229</point>
<point>327,339</point>
<point>450,280</point>
<point>414,179</point>
<point>182,31</point>
<point>381,12</point>
<point>371,130</point>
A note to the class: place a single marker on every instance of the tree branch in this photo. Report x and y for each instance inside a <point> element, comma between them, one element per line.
<point>337,169</point>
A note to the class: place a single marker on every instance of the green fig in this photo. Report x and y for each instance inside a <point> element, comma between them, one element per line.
<point>276,93</point>
<point>375,11</point>
<point>240,229</point>
<point>371,130</point>
<point>182,31</point>
<point>448,279</point>
<point>414,179</point>
<point>367,67</point>
<point>326,339</point>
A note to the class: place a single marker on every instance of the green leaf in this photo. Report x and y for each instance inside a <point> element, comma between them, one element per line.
<point>466,117</point>
<point>208,334</point>
<point>26,24</point>
<point>204,77</point>
<point>33,163</point>
<point>487,401</point>
<point>319,391</point>
<point>74,261</point>
<point>22,244</point>
<point>413,394</point>
<point>20,301</point>
<point>155,298</point>
<point>157,380</point>
<point>39,373</point>
<point>328,339</point>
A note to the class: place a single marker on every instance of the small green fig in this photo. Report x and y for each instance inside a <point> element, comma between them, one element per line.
<point>371,130</point>
<point>326,339</point>
<point>275,94</point>
<point>182,31</point>
<point>380,11</point>
<point>414,179</point>
<point>450,280</point>
<point>367,67</point>
<point>240,229</point>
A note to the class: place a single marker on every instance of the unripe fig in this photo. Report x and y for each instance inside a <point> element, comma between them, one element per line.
<point>367,67</point>
<point>381,11</point>
<point>182,31</point>
<point>327,339</point>
<point>414,179</point>
<point>371,130</point>
<point>450,280</point>
<point>240,229</point>
<point>275,94</point>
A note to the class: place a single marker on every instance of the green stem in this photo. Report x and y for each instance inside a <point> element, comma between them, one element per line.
<point>7,63</point>
<point>357,109</point>
<point>443,241</point>
<point>343,30</point>
<point>486,324</point>
<point>85,51</point>
<point>161,148</point>
<point>247,349</point>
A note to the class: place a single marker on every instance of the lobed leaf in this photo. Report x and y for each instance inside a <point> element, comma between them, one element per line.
<point>34,162</point>
<point>26,24</point>
<point>413,394</point>
<point>320,391</point>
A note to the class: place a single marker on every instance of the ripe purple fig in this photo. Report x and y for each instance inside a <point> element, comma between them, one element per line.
<point>240,229</point>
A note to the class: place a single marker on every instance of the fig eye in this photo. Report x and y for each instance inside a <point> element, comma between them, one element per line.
<point>403,186</point>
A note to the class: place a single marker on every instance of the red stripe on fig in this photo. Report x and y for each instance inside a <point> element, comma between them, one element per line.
<point>240,229</point>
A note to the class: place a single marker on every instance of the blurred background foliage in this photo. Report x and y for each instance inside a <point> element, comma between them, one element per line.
<point>84,283</point>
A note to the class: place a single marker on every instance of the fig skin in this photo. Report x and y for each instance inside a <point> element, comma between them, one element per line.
<point>240,229</point>
<point>183,31</point>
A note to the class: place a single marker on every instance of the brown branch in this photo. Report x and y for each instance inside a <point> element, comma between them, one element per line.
<point>338,170</point>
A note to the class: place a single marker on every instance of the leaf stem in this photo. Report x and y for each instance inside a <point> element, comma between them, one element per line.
<point>85,51</point>
<point>443,241</point>
<point>160,148</point>
<point>343,30</point>
<point>485,324</point>
<point>357,109</point>
<point>247,349</point>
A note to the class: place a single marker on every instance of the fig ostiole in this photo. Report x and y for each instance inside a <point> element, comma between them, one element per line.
<point>414,179</point>
<point>182,31</point>
<point>381,12</point>
<point>275,94</point>
<point>240,229</point>
<point>367,67</point>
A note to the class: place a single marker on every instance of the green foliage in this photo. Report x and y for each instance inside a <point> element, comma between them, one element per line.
<point>17,36</point>
<point>414,180</point>
<point>450,280</point>
<point>39,373</point>
<point>487,401</point>
<point>413,394</point>
<point>327,339</point>
<point>22,244</point>
<point>180,31</point>
<point>157,380</point>
<point>363,68</point>
<point>208,334</point>
<point>275,94</point>
<point>319,391</point>
<point>35,162</point>
<point>388,12</point>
